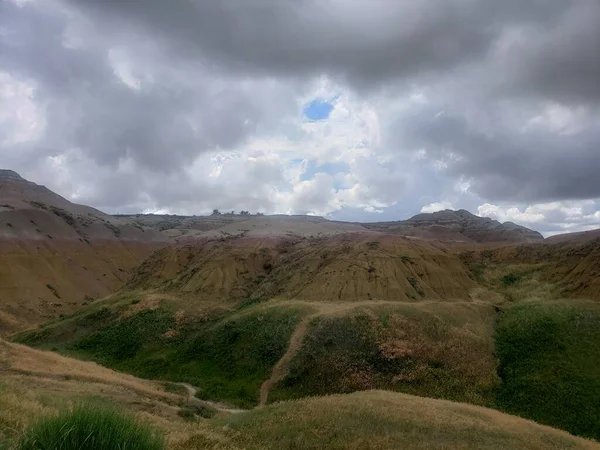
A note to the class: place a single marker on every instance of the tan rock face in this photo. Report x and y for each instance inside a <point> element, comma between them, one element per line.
<point>346,267</point>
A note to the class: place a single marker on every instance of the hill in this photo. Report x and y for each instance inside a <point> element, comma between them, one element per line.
<point>35,384</point>
<point>459,226</point>
<point>56,256</point>
<point>343,267</point>
<point>445,226</point>
<point>572,265</point>
<point>383,420</point>
<point>254,321</point>
<point>574,237</point>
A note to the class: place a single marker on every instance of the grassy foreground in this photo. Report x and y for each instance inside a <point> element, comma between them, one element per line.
<point>90,427</point>
<point>371,420</point>
<point>384,420</point>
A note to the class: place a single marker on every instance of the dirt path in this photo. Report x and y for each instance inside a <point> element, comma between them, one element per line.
<point>281,369</point>
<point>192,390</point>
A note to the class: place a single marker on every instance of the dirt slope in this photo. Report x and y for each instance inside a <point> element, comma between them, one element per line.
<point>573,265</point>
<point>347,267</point>
<point>56,256</point>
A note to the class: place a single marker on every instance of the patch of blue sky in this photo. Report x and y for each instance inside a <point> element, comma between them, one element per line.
<point>318,109</point>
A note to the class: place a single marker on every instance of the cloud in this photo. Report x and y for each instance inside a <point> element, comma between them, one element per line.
<point>118,103</point>
<point>501,159</point>
<point>550,218</point>
<point>198,105</point>
<point>290,38</point>
<point>436,206</point>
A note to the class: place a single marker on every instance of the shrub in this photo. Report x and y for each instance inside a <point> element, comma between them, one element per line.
<point>90,427</point>
<point>186,413</point>
<point>192,410</point>
<point>510,279</point>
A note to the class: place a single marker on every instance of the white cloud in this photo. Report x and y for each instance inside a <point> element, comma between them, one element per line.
<point>549,218</point>
<point>436,206</point>
<point>20,119</point>
<point>509,214</point>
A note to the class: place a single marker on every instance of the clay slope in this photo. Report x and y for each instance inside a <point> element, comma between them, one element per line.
<point>573,266</point>
<point>345,267</point>
<point>459,226</point>
<point>56,255</point>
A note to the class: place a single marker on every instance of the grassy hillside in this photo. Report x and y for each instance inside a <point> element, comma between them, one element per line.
<point>383,420</point>
<point>510,342</point>
<point>434,349</point>
<point>228,357</point>
<point>550,364</point>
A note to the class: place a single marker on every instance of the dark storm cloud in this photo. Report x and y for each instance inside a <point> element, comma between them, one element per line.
<point>531,164</point>
<point>559,60</point>
<point>364,42</point>
<point>162,125</point>
<point>152,85</point>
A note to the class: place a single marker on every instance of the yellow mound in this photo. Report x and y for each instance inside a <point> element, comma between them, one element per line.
<point>384,420</point>
<point>347,268</point>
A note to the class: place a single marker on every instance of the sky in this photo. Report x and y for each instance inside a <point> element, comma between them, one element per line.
<point>348,109</point>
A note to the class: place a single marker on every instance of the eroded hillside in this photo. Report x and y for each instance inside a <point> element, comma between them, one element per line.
<point>56,256</point>
<point>348,267</point>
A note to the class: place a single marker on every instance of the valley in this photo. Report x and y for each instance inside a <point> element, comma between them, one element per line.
<point>442,331</point>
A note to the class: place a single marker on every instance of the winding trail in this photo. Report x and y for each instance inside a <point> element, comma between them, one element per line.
<point>282,367</point>
<point>192,390</point>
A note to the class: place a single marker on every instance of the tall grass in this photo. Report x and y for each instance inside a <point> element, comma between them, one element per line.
<point>90,427</point>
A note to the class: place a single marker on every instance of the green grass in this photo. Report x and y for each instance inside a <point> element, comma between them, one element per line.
<point>444,353</point>
<point>174,388</point>
<point>549,356</point>
<point>231,359</point>
<point>227,359</point>
<point>91,428</point>
<point>191,411</point>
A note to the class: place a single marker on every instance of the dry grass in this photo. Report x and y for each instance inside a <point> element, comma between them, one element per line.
<point>18,359</point>
<point>365,420</point>
<point>36,383</point>
<point>384,420</point>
